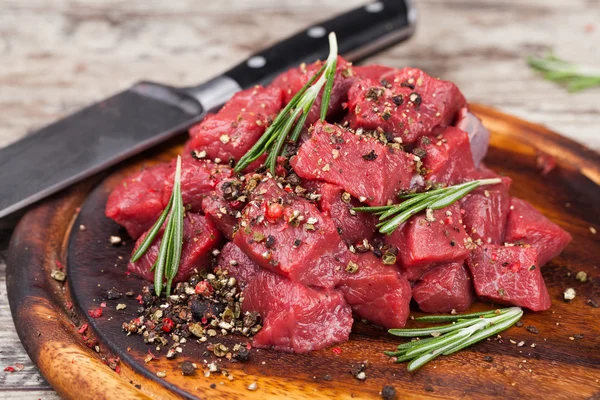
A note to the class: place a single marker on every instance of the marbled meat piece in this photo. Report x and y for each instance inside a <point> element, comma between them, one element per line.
<point>200,238</point>
<point>366,168</point>
<point>198,179</point>
<point>295,318</point>
<point>375,72</point>
<point>408,106</point>
<point>137,201</point>
<point>230,133</point>
<point>225,204</point>
<point>509,275</point>
<point>486,208</point>
<point>526,225</point>
<point>444,288</point>
<point>446,156</point>
<point>288,235</point>
<point>430,238</point>
<point>352,226</point>
<point>376,292</point>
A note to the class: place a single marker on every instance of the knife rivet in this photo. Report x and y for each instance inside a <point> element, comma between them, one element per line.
<point>316,32</point>
<point>374,7</point>
<point>256,62</point>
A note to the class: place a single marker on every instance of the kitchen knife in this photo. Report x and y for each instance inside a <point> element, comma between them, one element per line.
<point>146,114</point>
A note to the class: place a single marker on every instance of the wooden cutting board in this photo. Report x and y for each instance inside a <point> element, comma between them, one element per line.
<point>70,229</point>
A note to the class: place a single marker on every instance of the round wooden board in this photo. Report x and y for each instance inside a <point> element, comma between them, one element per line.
<point>48,313</point>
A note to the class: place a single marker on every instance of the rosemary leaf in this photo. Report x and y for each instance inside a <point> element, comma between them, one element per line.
<point>465,330</point>
<point>576,77</point>
<point>152,233</point>
<point>394,215</point>
<point>167,261</point>
<point>294,114</point>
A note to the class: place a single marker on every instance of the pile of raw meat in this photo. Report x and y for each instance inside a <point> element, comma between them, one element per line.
<point>305,260</point>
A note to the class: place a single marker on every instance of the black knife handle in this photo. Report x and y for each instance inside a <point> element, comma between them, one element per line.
<point>360,32</point>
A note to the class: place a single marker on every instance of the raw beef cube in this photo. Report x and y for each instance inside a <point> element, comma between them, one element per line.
<point>137,202</point>
<point>445,288</point>
<point>377,292</point>
<point>352,226</point>
<point>233,260</point>
<point>414,273</point>
<point>295,318</point>
<point>225,204</point>
<point>288,235</point>
<point>200,237</point>
<point>509,275</point>
<point>231,132</point>
<point>410,104</point>
<point>528,226</point>
<point>486,208</point>
<point>446,155</point>
<point>479,136</point>
<point>292,81</point>
<point>198,179</point>
<point>363,166</point>
<point>374,72</point>
<point>426,240</point>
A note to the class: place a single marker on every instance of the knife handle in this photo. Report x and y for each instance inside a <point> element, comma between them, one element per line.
<point>360,32</point>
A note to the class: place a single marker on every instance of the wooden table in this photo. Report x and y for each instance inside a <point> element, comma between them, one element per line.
<point>57,57</point>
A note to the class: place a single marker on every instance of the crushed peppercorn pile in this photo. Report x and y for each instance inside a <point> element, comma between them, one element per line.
<point>305,260</point>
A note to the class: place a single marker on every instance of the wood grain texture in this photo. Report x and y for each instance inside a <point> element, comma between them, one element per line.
<point>59,56</point>
<point>557,367</point>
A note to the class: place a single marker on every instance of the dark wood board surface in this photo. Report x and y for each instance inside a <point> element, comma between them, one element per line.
<point>48,313</point>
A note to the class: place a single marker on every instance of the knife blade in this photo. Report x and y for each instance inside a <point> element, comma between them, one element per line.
<point>147,114</point>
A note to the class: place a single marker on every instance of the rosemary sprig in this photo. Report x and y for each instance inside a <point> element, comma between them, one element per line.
<point>575,76</point>
<point>294,114</point>
<point>393,215</point>
<point>464,330</point>
<point>169,253</point>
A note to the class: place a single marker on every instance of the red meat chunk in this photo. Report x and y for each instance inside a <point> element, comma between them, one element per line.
<point>410,105</point>
<point>446,155</point>
<point>414,273</point>
<point>441,239</point>
<point>509,275</point>
<point>377,292</point>
<point>292,81</point>
<point>198,179</point>
<point>445,288</point>
<point>231,132</point>
<point>374,72</point>
<point>336,203</point>
<point>528,226</point>
<point>200,237</point>
<point>224,205</point>
<point>233,260</point>
<point>363,166</point>
<point>486,208</point>
<point>479,136</point>
<point>137,202</point>
<point>295,318</point>
<point>288,235</point>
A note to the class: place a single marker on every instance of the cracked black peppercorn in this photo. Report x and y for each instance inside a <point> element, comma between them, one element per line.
<point>532,329</point>
<point>187,368</point>
<point>113,294</point>
<point>388,392</point>
<point>242,355</point>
